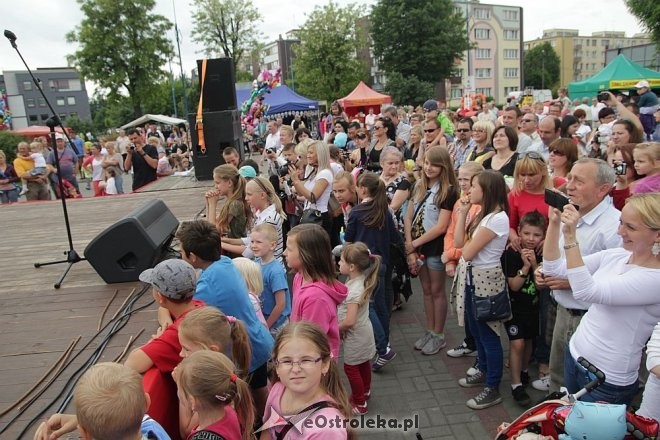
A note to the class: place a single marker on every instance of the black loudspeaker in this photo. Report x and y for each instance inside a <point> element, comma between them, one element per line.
<point>221,130</point>
<point>219,91</point>
<point>135,243</point>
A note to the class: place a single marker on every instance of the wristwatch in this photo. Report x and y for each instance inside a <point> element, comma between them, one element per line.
<point>522,274</point>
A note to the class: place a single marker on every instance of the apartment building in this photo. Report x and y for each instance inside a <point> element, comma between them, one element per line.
<point>583,56</point>
<point>63,86</point>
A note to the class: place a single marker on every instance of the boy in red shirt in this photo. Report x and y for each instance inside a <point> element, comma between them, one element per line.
<point>173,285</point>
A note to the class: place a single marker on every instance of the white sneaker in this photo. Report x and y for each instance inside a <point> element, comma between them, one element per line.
<point>473,369</point>
<point>461,350</point>
<point>542,384</point>
<point>23,191</point>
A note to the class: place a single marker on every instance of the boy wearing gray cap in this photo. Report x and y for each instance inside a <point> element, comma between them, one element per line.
<point>173,285</point>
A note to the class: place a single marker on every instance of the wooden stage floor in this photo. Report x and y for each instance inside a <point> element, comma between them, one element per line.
<point>38,322</point>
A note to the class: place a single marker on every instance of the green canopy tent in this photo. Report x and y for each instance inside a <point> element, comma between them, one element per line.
<point>620,74</point>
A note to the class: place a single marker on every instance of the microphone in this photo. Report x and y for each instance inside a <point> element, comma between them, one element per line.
<point>11,37</point>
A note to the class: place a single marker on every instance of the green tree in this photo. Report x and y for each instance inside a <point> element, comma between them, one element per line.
<point>122,47</point>
<point>227,27</point>
<point>412,37</point>
<point>79,125</point>
<point>325,65</point>
<point>8,143</point>
<point>541,67</point>
<point>648,12</point>
<point>408,89</point>
<point>109,113</point>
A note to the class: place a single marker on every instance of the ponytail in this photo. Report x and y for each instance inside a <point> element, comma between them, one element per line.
<point>240,346</point>
<point>368,264</point>
<point>376,208</point>
<point>244,406</point>
<point>371,278</point>
<point>273,199</point>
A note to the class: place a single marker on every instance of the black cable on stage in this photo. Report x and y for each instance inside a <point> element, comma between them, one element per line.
<point>117,324</point>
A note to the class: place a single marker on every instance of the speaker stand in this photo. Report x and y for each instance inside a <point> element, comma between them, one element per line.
<point>72,258</point>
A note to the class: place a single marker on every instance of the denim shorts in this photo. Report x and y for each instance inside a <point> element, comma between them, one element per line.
<point>434,263</point>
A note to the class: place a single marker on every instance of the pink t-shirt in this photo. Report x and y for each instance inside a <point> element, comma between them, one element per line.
<point>321,424</point>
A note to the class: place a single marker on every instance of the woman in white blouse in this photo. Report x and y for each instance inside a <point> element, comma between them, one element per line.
<point>622,286</point>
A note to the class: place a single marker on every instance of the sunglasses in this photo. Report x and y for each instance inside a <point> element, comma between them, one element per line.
<point>557,153</point>
<point>463,130</point>
<point>361,136</point>
<point>430,130</point>
<point>527,120</point>
<point>377,127</point>
<point>534,155</point>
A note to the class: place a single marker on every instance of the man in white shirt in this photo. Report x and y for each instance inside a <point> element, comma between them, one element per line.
<point>588,186</point>
<point>402,129</point>
<point>548,132</point>
<point>529,124</point>
<point>511,116</point>
<point>370,119</point>
<point>596,107</point>
<point>273,138</point>
<point>587,110</point>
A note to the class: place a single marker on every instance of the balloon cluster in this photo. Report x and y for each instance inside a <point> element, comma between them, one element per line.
<point>253,109</point>
<point>5,114</point>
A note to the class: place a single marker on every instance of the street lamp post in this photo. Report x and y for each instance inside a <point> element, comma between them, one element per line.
<point>543,69</point>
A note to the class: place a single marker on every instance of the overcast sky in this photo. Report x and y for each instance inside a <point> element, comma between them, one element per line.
<point>41,25</point>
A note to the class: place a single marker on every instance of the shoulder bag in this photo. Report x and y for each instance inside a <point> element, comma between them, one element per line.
<point>488,308</point>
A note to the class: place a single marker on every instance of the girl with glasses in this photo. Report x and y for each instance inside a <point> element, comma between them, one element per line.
<point>306,375</point>
<point>482,132</point>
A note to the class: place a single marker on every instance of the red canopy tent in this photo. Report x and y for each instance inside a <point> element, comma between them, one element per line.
<point>34,131</point>
<point>362,98</point>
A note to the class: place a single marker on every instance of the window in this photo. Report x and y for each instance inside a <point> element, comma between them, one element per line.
<point>44,117</point>
<point>460,73</point>
<point>62,116</point>
<point>510,72</point>
<point>456,93</point>
<point>605,43</point>
<point>27,85</point>
<point>508,90</point>
<point>34,118</point>
<point>482,34</point>
<point>483,73</point>
<point>42,102</point>
<point>511,54</point>
<point>482,54</point>
<point>60,100</point>
<point>510,34</point>
<point>510,15</point>
<point>593,43</point>
<point>29,102</point>
<point>486,91</point>
<point>59,84</point>
<point>71,100</point>
<point>593,66</point>
<point>481,13</point>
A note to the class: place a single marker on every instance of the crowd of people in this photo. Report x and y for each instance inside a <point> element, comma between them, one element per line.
<point>352,217</point>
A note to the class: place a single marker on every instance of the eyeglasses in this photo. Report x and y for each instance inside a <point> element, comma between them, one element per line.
<point>463,130</point>
<point>361,136</point>
<point>430,130</point>
<point>304,364</point>
<point>534,155</point>
<point>557,153</point>
<point>377,127</point>
<point>527,120</point>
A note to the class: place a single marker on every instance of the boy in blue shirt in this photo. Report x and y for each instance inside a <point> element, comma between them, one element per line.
<point>275,298</point>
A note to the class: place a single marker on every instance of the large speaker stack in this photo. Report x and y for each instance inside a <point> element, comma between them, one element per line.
<point>135,243</point>
<point>221,119</point>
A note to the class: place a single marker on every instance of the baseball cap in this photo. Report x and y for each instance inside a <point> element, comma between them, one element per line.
<point>173,278</point>
<point>430,105</point>
<point>341,139</point>
<point>247,172</point>
<point>641,84</point>
<point>59,136</point>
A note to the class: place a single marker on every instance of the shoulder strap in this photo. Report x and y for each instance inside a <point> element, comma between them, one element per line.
<point>304,413</point>
<point>199,124</point>
<point>428,193</point>
<point>206,435</point>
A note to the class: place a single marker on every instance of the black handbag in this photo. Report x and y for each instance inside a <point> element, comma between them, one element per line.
<point>488,308</point>
<point>311,216</point>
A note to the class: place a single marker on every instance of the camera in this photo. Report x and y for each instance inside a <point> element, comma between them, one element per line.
<point>283,170</point>
<point>603,96</point>
<point>620,168</point>
<point>132,147</point>
<point>557,200</point>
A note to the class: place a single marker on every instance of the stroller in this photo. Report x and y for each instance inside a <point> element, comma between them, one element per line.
<point>562,416</point>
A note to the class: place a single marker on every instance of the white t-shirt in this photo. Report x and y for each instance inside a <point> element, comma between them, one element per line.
<point>273,141</point>
<point>489,255</point>
<point>321,202</point>
<point>39,160</point>
<point>97,169</point>
<point>110,186</point>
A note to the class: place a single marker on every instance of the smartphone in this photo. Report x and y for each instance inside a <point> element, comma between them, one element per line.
<point>557,200</point>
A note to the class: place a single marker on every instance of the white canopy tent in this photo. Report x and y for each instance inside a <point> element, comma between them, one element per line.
<point>155,118</point>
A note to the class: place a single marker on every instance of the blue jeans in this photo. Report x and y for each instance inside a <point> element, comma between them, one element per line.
<point>576,377</point>
<point>379,313</point>
<point>542,349</point>
<point>490,357</point>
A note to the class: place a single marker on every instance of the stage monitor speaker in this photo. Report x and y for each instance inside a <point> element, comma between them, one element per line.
<point>219,85</point>
<point>221,130</point>
<point>135,243</point>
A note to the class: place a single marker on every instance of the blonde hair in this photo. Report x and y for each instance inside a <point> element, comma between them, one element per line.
<point>301,148</point>
<point>229,172</point>
<point>209,377</point>
<point>251,272</point>
<point>347,177</point>
<point>528,165</point>
<point>647,206</point>
<point>437,156</point>
<point>485,125</point>
<point>263,185</point>
<point>154,138</point>
<point>287,129</point>
<point>268,230</point>
<point>331,382</point>
<point>110,401</point>
<point>472,167</point>
<point>207,326</point>
<point>649,149</point>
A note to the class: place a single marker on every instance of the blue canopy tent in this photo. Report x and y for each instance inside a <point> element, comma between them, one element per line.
<point>280,99</point>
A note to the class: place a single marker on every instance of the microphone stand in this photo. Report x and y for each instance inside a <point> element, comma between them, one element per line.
<point>72,256</point>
